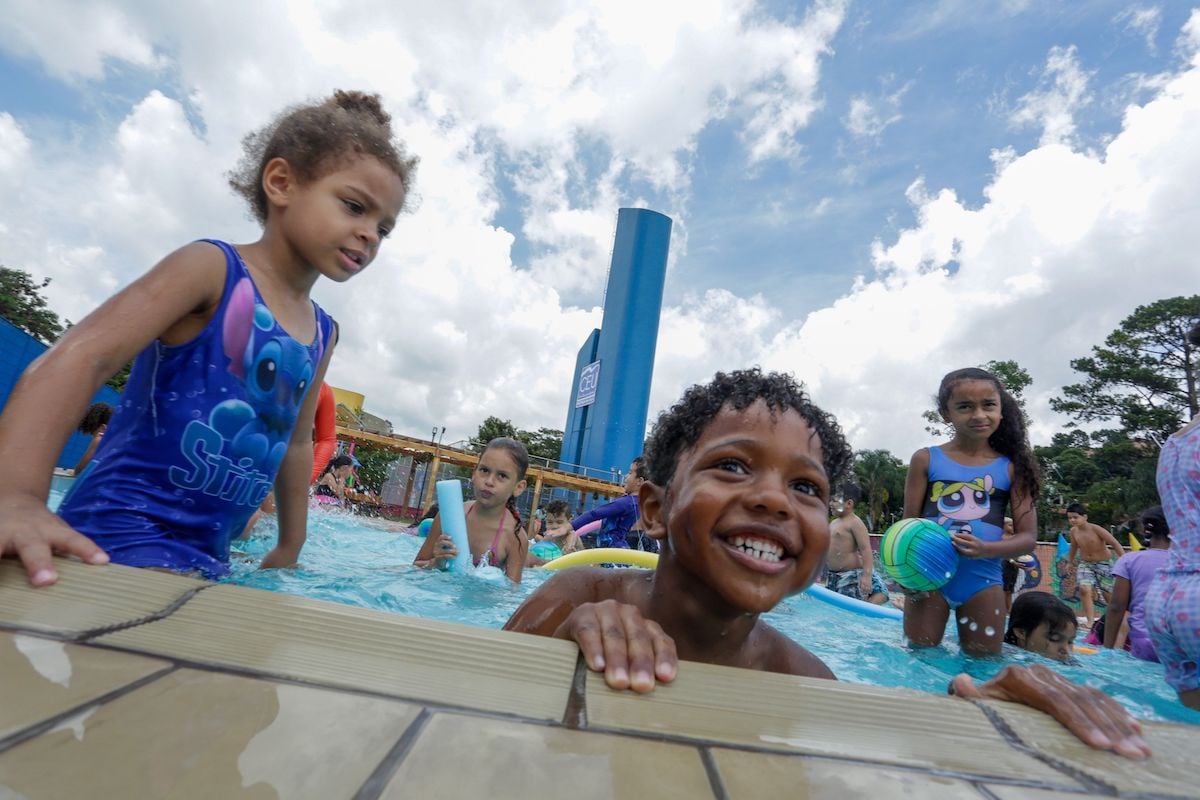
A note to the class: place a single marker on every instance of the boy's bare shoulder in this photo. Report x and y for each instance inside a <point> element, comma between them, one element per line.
<point>778,653</point>
<point>553,601</point>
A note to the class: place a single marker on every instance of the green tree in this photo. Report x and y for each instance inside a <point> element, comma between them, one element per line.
<point>1015,379</point>
<point>881,477</point>
<point>1144,377</point>
<point>1107,471</point>
<point>22,304</point>
<point>492,428</point>
<point>544,443</point>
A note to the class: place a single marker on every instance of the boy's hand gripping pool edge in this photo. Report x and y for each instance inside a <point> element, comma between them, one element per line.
<point>34,534</point>
<point>1098,720</point>
<point>632,651</point>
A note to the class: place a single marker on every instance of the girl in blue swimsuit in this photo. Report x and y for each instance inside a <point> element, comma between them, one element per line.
<point>966,486</point>
<point>228,343</point>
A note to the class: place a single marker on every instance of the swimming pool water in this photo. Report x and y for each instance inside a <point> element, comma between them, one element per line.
<point>368,563</point>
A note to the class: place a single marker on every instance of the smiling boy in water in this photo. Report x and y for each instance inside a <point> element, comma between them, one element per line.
<point>737,495</point>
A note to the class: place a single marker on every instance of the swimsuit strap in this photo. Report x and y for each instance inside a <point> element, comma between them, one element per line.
<point>490,553</point>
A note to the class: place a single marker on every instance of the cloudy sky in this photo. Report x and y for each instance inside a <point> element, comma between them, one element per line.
<point>866,195</point>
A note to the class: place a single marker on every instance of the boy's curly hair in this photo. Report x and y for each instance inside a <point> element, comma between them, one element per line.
<point>681,426</point>
<point>315,139</point>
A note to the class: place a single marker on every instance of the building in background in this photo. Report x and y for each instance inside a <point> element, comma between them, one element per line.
<point>610,393</point>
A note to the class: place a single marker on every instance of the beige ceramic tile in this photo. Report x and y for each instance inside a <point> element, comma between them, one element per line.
<point>85,597</point>
<point>44,677</point>
<point>805,715</point>
<point>341,645</point>
<point>458,756</point>
<point>1171,771</point>
<point>754,775</point>
<point>205,735</point>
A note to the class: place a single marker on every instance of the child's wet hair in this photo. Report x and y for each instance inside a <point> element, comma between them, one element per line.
<point>1077,508</point>
<point>1031,609</point>
<point>98,414</point>
<point>337,461</point>
<point>638,467</point>
<point>558,508</point>
<point>317,138</point>
<point>515,449</point>
<point>682,425</point>
<point>1154,523</point>
<point>1010,438</point>
<point>851,491</point>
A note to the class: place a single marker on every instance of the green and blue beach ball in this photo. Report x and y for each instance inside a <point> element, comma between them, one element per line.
<point>919,554</point>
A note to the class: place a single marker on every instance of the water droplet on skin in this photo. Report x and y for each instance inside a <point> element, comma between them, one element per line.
<point>974,626</point>
<point>963,620</point>
<point>989,630</point>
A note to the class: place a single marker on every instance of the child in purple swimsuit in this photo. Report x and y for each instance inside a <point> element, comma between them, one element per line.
<point>227,345</point>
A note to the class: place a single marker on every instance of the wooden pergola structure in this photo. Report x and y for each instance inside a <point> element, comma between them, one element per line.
<point>540,477</point>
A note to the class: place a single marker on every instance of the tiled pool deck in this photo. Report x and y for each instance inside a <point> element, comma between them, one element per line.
<point>124,683</point>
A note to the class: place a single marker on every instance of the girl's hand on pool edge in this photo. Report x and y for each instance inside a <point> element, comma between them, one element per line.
<point>1098,720</point>
<point>34,534</point>
<point>632,651</point>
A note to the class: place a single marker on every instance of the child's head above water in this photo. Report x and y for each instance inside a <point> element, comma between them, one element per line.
<point>319,138</point>
<point>1009,438</point>
<point>558,513</point>
<point>681,426</point>
<point>97,416</point>
<point>1041,623</point>
<point>847,498</point>
<point>1154,526</point>
<point>740,471</point>
<point>500,474</point>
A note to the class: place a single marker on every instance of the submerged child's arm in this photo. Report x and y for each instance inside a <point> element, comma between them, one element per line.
<point>614,638</point>
<point>175,299</point>
<point>292,481</point>
<point>1099,721</point>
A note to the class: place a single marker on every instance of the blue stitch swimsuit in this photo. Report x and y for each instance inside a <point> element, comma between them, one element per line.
<point>972,499</point>
<point>198,437</point>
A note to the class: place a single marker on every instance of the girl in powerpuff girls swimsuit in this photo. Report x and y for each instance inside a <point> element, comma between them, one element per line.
<point>966,486</point>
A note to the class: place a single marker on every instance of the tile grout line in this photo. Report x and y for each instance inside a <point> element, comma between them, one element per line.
<point>1010,736</point>
<point>383,773</point>
<point>715,781</point>
<point>37,729</point>
<point>984,790</point>
<point>968,777</point>
<point>575,712</point>
<point>163,613</point>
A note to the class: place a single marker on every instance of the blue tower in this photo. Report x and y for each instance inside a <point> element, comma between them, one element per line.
<point>610,394</point>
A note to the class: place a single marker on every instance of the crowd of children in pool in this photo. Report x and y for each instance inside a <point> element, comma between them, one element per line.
<point>734,488</point>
